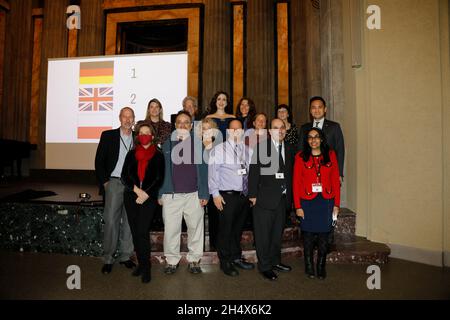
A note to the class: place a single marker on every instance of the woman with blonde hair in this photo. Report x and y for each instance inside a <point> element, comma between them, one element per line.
<point>154,117</point>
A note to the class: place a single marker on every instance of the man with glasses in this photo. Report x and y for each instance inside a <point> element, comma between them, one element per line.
<point>332,130</point>
<point>270,192</point>
<point>183,194</point>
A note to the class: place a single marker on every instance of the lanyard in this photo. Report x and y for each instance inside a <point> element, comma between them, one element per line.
<point>123,142</point>
<point>237,156</point>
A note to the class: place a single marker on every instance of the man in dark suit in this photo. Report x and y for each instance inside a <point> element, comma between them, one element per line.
<point>270,192</point>
<point>331,129</point>
<point>111,152</point>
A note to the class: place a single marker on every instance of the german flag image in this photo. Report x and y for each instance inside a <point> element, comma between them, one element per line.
<point>101,72</point>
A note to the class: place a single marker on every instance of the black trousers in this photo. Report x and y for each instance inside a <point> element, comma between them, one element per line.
<point>213,223</point>
<point>268,225</point>
<point>230,225</point>
<point>140,217</point>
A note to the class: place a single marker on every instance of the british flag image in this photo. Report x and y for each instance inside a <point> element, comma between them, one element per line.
<point>95,99</point>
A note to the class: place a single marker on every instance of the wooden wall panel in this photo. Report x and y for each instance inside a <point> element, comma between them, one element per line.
<point>17,71</point>
<point>283,53</point>
<point>193,16</point>
<point>72,43</point>
<point>119,4</point>
<point>35,85</point>
<point>2,59</point>
<point>238,53</point>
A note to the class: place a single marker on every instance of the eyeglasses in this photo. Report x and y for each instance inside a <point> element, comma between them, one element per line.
<point>313,138</point>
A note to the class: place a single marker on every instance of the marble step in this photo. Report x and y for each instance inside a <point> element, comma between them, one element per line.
<point>345,228</point>
<point>353,249</point>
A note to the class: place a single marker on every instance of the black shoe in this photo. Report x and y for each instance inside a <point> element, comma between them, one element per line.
<point>137,272</point>
<point>241,263</point>
<point>107,268</point>
<point>229,269</point>
<point>282,268</point>
<point>146,276</point>
<point>321,271</point>
<point>194,267</point>
<point>129,264</point>
<point>269,275</point>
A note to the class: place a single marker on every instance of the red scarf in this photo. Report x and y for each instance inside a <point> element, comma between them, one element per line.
<point>143,156</point>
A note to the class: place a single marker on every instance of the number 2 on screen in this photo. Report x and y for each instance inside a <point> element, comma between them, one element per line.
<point>133,98</point>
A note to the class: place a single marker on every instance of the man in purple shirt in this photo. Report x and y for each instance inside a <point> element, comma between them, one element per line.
<point>227,181</point>
<point>183,194</point>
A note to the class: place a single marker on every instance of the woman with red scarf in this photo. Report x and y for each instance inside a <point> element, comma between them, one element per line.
<point>316,190</point>
<point>142,175</point>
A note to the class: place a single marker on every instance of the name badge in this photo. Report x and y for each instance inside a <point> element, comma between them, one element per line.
<point>316,187</point>
<point>242,172</point>
<point>279,175</point>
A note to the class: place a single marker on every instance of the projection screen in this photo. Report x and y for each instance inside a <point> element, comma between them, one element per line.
<point>85,95</point>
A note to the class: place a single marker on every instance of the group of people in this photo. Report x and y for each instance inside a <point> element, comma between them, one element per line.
<point>228,165</point>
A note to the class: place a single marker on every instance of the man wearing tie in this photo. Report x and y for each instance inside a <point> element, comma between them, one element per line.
<point>270,192</point>
<point>227,180</point>
<point>331,129</point>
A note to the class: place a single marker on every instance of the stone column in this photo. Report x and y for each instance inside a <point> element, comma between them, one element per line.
<point>306,59</point>
<point>261,54</point>
<point>18,56</point>
<point>91,36</point>
<point>332,54</point>
<point>54,45</point>
<point>216,73</point>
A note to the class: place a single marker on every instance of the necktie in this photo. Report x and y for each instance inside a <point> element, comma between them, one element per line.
<point>317,124</point>
<point>280,158</point>
<point>281,166</point>
<point>245,176</point>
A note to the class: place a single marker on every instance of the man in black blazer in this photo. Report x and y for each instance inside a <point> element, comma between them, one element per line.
<point>109,159</point>
<point>331,129</point>
<point>270,192</point>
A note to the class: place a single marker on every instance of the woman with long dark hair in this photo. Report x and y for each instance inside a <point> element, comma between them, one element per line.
<point>220,112</point>
<point>142,175</point>
<point>245,111</point>
<point>316,190</point>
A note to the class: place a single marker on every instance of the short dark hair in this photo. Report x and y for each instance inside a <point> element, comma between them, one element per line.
<point>181,112</point>
<point>284,106</point>
<point>315,98</point>
<point>139,125</point>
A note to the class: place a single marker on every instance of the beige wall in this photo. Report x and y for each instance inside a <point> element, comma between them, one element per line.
<point>396,126</point>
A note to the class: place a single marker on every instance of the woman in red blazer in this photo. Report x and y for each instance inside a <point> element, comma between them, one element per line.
<point>316,190</point>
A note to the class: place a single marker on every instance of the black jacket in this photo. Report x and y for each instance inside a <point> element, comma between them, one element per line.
<point>266,188</point>
<point>154,174</point>
<point>107,155</point>
<point>335,138</point>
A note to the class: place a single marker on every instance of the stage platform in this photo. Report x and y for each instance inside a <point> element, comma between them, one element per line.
<point>61,223</point>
